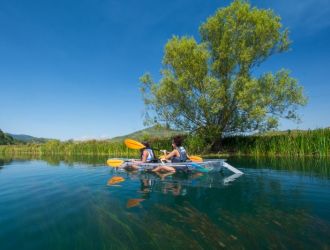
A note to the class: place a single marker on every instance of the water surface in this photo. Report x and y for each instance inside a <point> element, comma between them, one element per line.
<point>57,203</point>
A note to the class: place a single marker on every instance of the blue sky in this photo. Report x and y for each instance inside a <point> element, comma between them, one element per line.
<point>70,69</point>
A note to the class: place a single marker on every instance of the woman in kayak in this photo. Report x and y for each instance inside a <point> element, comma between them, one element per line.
<point>147,155</point>
<point>178,154</point>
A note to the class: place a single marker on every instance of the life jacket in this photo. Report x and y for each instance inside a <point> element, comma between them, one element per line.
<point>151,155</point>
<point>183,155</point>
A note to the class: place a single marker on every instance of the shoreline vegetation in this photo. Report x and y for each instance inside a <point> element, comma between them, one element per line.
<point>314,143</point>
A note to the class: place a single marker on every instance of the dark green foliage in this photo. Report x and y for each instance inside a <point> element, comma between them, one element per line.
<point>5,139</point>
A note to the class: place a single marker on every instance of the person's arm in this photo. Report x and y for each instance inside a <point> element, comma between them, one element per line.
<point>145,156</point>
<point>174,153</point>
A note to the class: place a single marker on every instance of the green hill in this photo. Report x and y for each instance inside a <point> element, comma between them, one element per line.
<point>150,133</point>
<point>28,139</point>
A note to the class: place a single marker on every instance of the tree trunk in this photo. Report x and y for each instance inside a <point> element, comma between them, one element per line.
<point>216,144</point>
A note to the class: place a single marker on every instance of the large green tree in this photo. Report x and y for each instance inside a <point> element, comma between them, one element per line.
<point>211,88</point>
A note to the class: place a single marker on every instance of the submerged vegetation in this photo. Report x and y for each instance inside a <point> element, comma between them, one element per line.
<point>293,144</point>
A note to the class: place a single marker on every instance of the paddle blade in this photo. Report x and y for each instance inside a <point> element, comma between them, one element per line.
<point>133,202</point>
<point>115,179</point>
<point>114,162</point>
<point>132,144</point>
<point>195,158</point>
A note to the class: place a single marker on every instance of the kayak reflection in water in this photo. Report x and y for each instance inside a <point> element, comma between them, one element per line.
<point>149,185</point>
<point>147,155</point>
<point>174,188</point>
<point>146,185</point>
<point>162,174</point>
<point>178,154</point>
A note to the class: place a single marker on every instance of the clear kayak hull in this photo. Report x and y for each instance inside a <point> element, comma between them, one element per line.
<point>205,166</point>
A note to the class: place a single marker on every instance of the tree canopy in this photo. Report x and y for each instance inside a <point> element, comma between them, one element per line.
<point>210,87</point>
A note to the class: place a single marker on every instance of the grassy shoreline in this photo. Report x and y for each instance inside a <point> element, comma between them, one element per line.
<point>294,144</point>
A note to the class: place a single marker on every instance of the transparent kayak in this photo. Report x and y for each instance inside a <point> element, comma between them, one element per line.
<point>206,166</point>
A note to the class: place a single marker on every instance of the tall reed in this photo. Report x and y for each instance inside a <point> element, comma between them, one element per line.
<point>297,143</point>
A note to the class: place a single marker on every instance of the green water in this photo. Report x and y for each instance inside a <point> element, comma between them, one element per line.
<point>56,203</point>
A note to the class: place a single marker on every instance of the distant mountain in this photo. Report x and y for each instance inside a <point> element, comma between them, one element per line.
<point>150,133</point>
<point>28,138</point>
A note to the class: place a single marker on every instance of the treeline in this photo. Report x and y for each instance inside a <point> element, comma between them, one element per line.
<point>6,139</point>
<point>298,143</point>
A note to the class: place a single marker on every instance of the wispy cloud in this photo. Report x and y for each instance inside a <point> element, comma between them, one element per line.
<point>310,16</point>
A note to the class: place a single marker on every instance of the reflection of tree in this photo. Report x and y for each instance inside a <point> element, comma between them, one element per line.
<point>4,161</point>
<point>56,159</point>
<point>73,159</point>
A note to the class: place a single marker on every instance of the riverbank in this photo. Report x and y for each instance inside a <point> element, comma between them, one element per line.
<point>293,143</point>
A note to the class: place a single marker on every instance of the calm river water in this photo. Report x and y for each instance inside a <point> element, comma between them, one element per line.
<point>68,204</point>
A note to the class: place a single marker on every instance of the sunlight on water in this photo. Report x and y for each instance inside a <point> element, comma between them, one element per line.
<point>82,204</point>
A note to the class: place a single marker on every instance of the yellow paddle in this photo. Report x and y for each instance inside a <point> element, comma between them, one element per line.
<point>132,144</point>
<point>195,158</point>
<point>115,163</point>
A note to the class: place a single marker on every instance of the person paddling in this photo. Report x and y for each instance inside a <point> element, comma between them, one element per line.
<point>178,154</point>
<point>147,155</point>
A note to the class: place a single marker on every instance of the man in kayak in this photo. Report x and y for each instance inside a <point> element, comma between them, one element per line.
<point>178,154</point>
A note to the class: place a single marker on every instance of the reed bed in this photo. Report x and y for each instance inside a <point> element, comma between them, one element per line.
<point>297,143</point>
<point>293,144</point>
<point>91,148</point>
